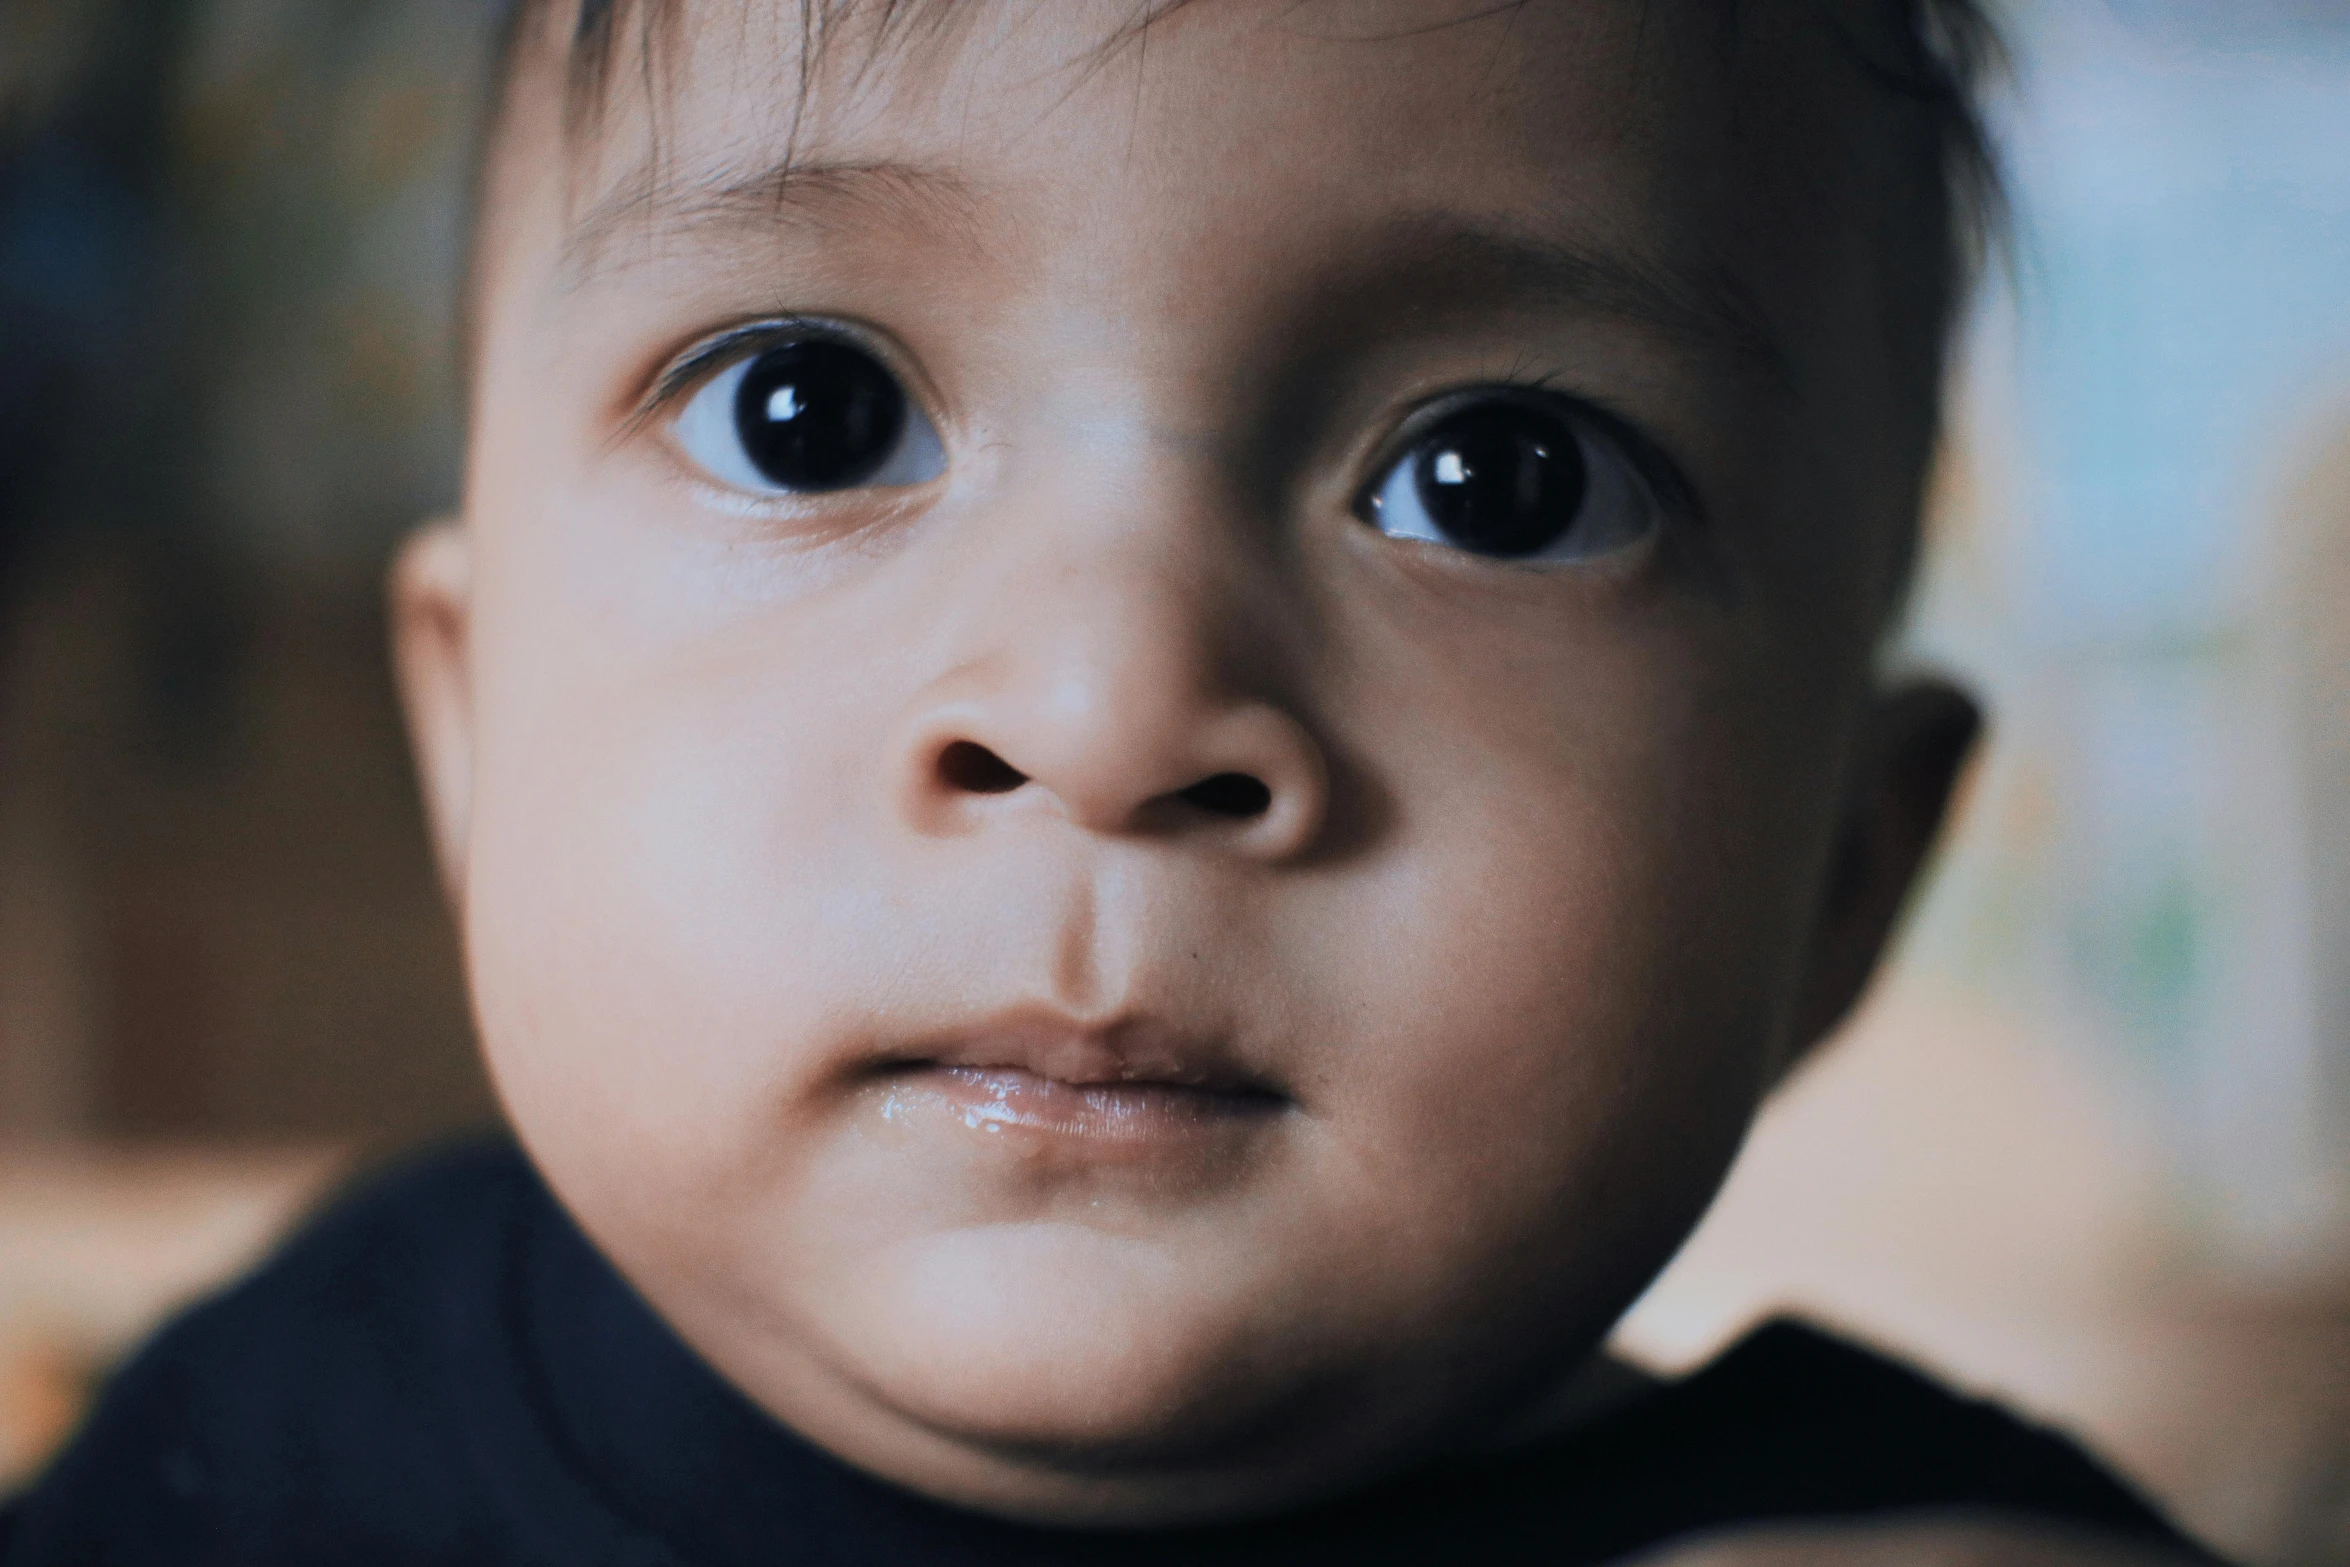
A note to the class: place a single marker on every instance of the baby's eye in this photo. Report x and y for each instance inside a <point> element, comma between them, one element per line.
<point>805,416</point>
<point>1514,480</point>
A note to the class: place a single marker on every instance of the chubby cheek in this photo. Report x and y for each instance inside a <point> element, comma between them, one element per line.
<point>1558,1002</point>
<point>1523,1018</point>
<point>662,887</point>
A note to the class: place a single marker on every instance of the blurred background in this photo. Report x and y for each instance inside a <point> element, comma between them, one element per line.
<point>2087,1147</point>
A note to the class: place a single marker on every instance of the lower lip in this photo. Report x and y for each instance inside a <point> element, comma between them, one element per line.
<point>1006,1099</point>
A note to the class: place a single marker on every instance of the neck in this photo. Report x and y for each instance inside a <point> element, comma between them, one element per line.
<point>1598,1387</point>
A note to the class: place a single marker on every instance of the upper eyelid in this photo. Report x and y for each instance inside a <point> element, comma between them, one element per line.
<point>714,353</point>
<point>688,370</point>
<point>697,362</point>
<point>1648,456</point>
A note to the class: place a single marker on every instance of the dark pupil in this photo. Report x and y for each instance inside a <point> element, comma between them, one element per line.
<point>1501,479</point>
<point>818,415</point>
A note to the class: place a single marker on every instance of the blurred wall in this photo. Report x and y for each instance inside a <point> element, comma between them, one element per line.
<point>229,234</point>
<point>2139,562</point>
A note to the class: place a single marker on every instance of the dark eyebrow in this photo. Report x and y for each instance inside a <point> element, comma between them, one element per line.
<point>1697,306</point>
<point>788,192</point>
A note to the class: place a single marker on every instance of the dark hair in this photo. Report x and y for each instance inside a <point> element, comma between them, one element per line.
<point>1936,55</point>
<point>1945,52</point>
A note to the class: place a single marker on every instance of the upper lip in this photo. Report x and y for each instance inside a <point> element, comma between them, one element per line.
<point>1048,1043</point>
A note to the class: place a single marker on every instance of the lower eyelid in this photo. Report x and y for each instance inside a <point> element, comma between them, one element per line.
<point>1613,492</point>
<point>711,437</point>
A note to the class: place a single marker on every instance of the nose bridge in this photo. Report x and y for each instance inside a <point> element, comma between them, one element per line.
<point>1117,640</point>
<point>1115,655</point>
<point>1136,633</point>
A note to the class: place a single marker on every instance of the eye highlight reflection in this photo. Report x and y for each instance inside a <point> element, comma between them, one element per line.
<point>1514,480</point>
<point>808,415</point>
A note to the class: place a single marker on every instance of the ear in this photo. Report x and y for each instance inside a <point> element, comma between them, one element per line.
<point>431,611</point>
<point>1914,743</point>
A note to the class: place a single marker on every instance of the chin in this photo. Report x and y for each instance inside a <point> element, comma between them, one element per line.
<point>1084,1350</point>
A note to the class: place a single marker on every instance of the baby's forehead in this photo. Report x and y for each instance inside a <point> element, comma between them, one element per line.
<point>785,52</point>
<point>1680,159</point>
<point>667,103</point>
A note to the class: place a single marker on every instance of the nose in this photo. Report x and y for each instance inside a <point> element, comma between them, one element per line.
<point>1131,696</point>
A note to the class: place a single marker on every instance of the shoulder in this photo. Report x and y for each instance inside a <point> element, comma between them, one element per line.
<point>1790,1436</point>
<point>313,1390</point>
<point>1795,1423</point>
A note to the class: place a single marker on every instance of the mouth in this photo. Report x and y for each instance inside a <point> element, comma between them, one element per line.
<point>1003,1098</point>
<point>1131,1083</point>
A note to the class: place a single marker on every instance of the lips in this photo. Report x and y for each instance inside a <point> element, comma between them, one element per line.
<point>1006,1098</point>
<point>1131,1082</point>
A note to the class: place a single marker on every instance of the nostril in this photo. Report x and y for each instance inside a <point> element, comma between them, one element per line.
<point>974,769</point>
<point>1236,795</point>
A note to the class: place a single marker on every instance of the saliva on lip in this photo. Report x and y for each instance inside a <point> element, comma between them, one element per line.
<point>984,1116</point>
<point>999,1100</point>
<point>996,1119</point>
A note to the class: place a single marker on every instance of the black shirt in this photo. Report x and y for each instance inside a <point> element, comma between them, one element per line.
<point>444,1370</point>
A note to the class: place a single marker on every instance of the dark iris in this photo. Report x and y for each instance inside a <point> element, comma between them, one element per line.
<point>818,415</point>
<point>1501,478</point>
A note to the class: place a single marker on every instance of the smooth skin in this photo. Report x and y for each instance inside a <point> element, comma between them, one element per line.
<point>1559,866</point>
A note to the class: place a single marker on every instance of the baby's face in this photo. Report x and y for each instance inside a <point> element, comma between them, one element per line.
<point>1146,763</point>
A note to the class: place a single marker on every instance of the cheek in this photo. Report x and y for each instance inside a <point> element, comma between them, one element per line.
<point>1570,970</point>
<point>1546,1063</point>
<point>1526,1011</point>
<point>662,889</point>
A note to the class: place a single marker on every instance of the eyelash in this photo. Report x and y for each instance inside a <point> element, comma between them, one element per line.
<point>1675,495</point>
<point>711,355</point>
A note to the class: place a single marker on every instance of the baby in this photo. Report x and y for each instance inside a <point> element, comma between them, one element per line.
<point>1150,723</point>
